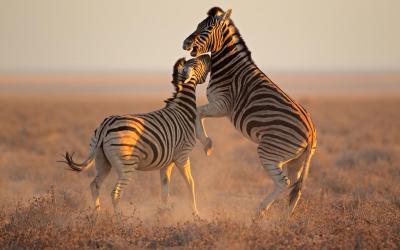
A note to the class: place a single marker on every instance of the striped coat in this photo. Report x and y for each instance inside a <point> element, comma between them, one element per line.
<point>255,105</point>
<point>158,140</point>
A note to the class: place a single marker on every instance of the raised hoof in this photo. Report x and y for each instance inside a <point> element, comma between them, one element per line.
<point>208,147</point>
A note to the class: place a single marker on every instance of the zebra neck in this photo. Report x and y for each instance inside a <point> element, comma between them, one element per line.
<point>185,101</point>
<point>234,50</point>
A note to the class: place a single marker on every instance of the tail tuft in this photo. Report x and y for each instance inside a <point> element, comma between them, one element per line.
<point>94,146</point>
<point>71,163</point>
<point>77,166</point>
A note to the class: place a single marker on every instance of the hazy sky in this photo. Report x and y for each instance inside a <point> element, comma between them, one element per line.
<point>283,35</point>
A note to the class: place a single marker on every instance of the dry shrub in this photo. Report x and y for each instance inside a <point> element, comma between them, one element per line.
<point>346,160</point>
<point>372,155</point>
<point>365,156</point>
<point>350,200</point>
<point>48,221</point>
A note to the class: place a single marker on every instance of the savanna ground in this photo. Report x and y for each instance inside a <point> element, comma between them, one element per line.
<point>350,200</point>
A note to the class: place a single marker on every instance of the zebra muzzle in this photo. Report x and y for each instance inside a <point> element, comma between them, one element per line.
<point>188,43</point>
<point>194,51</point>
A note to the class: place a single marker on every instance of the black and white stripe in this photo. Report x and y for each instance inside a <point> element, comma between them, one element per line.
<point>265,114</point>
<point>153,141</point>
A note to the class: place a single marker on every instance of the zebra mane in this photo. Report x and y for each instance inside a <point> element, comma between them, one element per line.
<point>218,12</point>
<point>215,11</point>
<point>240,39</point>
<point>177,79</point>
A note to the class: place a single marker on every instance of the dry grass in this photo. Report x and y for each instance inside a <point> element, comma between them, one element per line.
<point>351,199</point>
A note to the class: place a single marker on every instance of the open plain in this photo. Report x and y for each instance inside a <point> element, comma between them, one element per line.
<point>350,200</point>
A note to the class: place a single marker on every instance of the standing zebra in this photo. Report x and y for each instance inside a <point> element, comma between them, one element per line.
<point>153,141</point>
<point>257,107</point>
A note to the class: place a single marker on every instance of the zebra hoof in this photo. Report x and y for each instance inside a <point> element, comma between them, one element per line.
<point>196,216</point>
<point>258,216</point>
<point>208,147</point>
<point>96,210</point>
<point>164,210</point>
<point>285,181</point>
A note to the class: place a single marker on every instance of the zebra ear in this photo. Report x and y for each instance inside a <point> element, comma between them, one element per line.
<point>178,66</point>
<point>215,11</point>
<point>227,15</point>
<point>177,71</point>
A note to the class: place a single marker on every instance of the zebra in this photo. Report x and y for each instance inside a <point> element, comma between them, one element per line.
<point>256,106</point>
<point>158,140</point>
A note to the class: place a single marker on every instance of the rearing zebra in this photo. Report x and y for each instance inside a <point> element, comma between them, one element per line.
<point>239,90</point>
<point>153,141</point>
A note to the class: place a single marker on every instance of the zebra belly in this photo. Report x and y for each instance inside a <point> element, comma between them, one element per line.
<point>148,166</point>
<point>264,126</point>
<point>156,158</point>
<point>254,136</point>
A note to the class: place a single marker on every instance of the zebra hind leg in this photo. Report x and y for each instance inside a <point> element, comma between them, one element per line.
<point>103,169</point>
<point>281,182</point>
<point>124,172</point>
<point>294,169</point>
<point>300,171</point>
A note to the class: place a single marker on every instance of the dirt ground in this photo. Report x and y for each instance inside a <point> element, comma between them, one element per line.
<point>350,200</point>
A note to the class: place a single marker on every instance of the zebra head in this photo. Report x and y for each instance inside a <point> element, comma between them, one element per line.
<point>209,35</point>
<point>191,72</point>
<point>187,74</point>
<point>196,69</point>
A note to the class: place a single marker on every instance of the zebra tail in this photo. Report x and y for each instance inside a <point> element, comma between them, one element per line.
<point>79,166</point>
<point>95,144</point>
<point>297,186</point>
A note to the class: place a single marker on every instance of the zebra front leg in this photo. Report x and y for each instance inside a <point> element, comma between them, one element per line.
<point>201,134</point>
<point>272,163</point>
<point>103,169</point>
<point>214,109</point>
<point>165,177</point>
<point>184,169</point>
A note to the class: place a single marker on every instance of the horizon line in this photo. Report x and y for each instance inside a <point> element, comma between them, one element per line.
<point>155,77</point>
